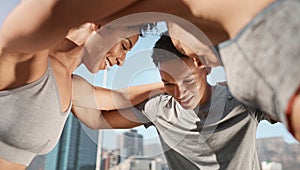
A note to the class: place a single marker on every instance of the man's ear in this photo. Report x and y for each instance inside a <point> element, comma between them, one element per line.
<point>198,64</point>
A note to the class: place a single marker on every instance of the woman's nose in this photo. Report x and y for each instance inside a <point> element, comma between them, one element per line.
<point>120,62</point>
<point>121,59</point>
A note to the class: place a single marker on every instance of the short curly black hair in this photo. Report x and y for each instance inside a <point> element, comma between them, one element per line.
<point>164,50</point>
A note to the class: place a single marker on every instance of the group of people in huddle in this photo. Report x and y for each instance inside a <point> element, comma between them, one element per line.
<point>200,126</point>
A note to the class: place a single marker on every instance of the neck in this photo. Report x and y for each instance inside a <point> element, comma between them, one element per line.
<point>68,54</point>
<point>206,95</point>
<point>232,15</point>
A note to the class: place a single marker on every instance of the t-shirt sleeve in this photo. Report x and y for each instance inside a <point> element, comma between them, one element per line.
<point>260,115</point>
<point>145,112</point>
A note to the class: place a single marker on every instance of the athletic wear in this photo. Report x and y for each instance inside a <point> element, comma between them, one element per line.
<point>31,120</point>
<point>262,61</point>
<point>220,134</point>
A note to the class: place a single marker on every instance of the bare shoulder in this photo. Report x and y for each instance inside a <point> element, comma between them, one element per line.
<point>19,69</point>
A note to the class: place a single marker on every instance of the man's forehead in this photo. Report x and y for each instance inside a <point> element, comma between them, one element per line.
<point>175,69</point>
<point>176,63</point>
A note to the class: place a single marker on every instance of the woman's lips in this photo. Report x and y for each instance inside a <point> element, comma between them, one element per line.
<point>109,62</point>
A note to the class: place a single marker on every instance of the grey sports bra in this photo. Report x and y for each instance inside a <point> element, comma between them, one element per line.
<point>31,120</point>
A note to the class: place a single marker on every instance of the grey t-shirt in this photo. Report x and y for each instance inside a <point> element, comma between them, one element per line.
<point>218,135</point>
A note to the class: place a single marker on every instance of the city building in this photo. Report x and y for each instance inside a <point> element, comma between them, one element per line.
<point>130,143</point>
<point>154,150</point>
<point>141,163</point>
<point>110,159</point>
<point>277,152</point>
<point>75,151</point>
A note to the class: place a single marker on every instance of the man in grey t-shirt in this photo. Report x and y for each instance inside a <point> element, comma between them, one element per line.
<point>200,127</point>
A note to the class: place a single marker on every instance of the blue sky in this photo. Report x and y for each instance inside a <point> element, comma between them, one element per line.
<point>138,69</point>
<point>5,7</point>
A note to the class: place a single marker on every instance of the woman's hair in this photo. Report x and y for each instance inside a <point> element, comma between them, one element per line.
<point>164,50</point>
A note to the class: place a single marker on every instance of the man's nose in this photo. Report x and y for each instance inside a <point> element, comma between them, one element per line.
<point>179,92</point>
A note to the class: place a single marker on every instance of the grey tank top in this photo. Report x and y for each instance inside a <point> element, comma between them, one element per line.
<point>31,120</point>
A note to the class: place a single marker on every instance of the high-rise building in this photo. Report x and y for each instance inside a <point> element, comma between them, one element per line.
<point>75,151</point>
<point>110,158</point>
<point>154,150</point>
<point>276,152</point>
<point>130,143</point>
<point>141,163</point>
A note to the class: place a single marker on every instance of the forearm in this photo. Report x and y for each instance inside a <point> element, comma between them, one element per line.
<point>92,118</point>
<point>127,97</point>
<point>35,32</point>
<point>114,119</point>
<point>86,95</point>
<point>47,21</point>
<point>137,94</point>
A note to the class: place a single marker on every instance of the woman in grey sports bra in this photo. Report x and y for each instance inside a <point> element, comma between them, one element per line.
<point>36,81</point>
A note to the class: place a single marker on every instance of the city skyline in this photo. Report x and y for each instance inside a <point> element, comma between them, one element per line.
<point>63,157</point>
<point>75,149</point>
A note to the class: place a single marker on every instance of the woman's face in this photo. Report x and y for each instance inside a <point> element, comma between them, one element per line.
<point>117,54</point>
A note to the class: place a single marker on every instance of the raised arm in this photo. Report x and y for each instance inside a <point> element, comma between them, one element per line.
<point>86,95</point>
<point>114,119</point>
<point>137,94</point>
<point>47,21</point>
